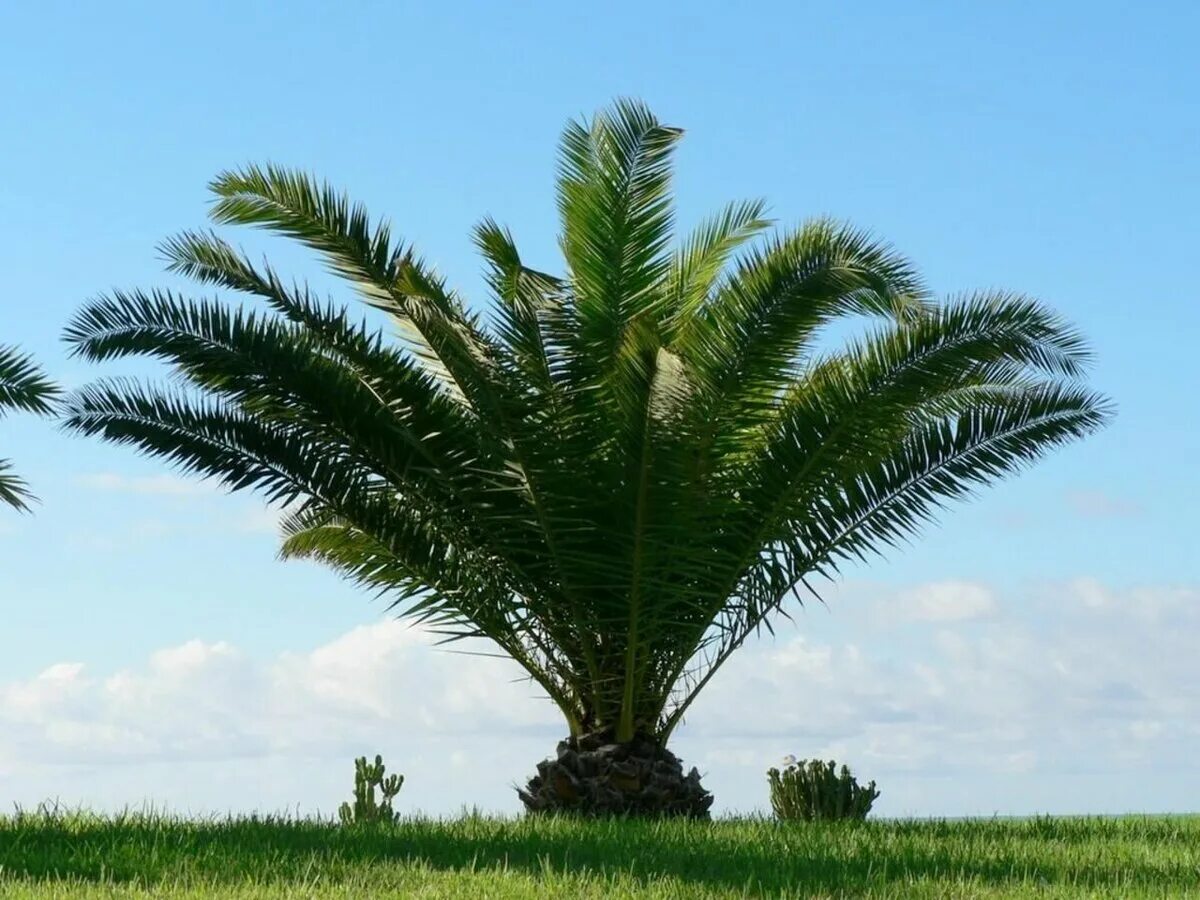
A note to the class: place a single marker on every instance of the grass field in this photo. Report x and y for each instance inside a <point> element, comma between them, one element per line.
<point>152,856</point>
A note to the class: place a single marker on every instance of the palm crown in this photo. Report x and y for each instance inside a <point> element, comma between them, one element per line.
<point>626,469</point>
<point>22,387</point>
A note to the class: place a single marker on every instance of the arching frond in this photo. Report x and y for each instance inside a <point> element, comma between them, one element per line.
<point>387,275</point>
<point>747,339</point>
<point>23,387</point>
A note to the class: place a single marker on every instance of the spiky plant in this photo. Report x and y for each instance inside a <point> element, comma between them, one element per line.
<point>22,387</point>
<point>366,809</point>
<point>623,472</point>
<point>809,789</point>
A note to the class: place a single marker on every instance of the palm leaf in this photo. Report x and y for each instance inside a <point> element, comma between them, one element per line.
<point>25,388</point>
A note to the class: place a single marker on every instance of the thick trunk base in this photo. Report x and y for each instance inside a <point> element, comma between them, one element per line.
<point>592,776</point>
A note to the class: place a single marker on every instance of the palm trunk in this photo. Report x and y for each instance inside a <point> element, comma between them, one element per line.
<point>595,776</point>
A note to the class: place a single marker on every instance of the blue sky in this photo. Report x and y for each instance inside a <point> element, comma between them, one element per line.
<point>1046,148</point>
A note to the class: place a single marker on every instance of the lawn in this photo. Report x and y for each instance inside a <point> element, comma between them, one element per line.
<point>152,856</point>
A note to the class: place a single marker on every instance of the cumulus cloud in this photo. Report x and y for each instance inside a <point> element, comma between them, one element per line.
<point>1088,693</point>
<point>1093,682</point>
<point>203,700</point>
<point>941,601</point>
<point>274,732</point>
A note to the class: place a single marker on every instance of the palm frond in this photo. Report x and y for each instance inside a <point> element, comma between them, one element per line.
<point>14,492</point>
<point>703,257</point>
<point>748,337</point>
<point>25,388</point>
<point>389,276</point>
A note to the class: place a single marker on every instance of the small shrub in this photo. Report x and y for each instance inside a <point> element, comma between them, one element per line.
<point>366,809</point>
<point>811,789</point>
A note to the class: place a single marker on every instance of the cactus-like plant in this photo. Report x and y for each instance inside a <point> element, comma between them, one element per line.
<point>811,789</point>
<point>366,810</point>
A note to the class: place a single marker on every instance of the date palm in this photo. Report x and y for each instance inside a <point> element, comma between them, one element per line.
<point>22,387</point>
<point>623,471</point>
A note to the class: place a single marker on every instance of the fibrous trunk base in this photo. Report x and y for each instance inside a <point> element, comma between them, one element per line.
<point>594,776</point>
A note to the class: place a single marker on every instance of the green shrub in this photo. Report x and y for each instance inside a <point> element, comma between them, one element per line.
<point>366,809</point>
<point>811,789</point>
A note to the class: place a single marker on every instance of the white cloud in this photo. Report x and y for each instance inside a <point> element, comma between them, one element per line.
<point>941,601</point>
<point>1007,713</point>
<point>47,691</point>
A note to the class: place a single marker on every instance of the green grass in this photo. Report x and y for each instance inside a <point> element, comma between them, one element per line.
<point>80,855</point>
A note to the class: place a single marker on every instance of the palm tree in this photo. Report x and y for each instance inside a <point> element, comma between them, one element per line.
<point>623,472</point>
<point>22,387</point>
